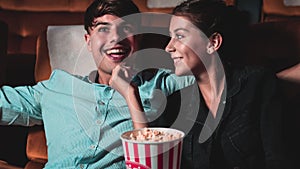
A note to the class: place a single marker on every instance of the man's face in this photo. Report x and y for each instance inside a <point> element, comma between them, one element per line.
<point>111,40</point>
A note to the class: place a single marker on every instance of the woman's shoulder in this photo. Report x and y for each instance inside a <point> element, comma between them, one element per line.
<point>250,75</point>
<point>249,71</point>
<point>251,78</point>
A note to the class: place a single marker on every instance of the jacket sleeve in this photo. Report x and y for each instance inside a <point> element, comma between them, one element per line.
<point>271,122</point>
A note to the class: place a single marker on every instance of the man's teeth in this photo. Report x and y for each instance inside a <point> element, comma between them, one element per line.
<point>115,51</point>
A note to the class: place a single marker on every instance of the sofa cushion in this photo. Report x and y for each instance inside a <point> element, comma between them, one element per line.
<point>68,50</point>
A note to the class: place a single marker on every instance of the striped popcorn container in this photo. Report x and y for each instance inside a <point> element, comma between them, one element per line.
<point>164,154</point>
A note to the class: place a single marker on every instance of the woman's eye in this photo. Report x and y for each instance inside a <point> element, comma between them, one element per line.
<point>178,36</point>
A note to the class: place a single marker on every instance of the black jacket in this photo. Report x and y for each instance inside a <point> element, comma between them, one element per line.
<point>248,133</point>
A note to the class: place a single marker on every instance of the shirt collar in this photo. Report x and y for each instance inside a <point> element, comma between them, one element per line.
<point>233,81</point>
<point>93,76</point>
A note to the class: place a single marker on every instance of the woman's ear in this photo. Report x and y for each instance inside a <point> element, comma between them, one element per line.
<point>215,42</point>
<point>87,38</point>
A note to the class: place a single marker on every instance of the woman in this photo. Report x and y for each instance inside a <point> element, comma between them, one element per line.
<point>238,122</point>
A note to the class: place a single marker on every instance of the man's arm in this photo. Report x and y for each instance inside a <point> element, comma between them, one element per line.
<point>19,106</point>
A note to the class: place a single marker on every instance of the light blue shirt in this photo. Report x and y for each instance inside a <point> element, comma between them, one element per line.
<point>83,120</point>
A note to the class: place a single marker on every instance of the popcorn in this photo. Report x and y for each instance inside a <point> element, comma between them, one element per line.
<point>153,135</point>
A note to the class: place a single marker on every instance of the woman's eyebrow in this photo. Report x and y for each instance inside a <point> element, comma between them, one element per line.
<point>181,29</point>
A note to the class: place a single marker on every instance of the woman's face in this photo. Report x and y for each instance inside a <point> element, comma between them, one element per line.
<point>187,46</point>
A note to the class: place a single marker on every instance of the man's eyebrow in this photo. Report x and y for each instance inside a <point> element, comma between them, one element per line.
<point>102,23</point>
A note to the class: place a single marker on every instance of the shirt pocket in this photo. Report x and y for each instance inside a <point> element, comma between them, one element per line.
<point>245,139</point>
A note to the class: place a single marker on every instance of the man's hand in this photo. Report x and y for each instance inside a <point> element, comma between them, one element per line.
<point>120,81</point>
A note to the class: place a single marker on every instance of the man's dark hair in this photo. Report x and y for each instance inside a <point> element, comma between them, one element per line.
<point>99,8</point>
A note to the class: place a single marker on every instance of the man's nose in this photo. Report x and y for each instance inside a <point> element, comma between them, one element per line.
<point>116,36</point>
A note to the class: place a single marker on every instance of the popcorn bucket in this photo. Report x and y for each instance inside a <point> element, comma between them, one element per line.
<point>152,154</point>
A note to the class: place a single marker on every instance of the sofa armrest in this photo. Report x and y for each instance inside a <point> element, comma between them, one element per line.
<point>5,165</point>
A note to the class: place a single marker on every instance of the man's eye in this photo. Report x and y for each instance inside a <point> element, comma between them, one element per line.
<point>128,29</point>
<point>103,29</point>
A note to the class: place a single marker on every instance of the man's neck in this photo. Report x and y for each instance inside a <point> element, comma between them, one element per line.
<point>103,78</point>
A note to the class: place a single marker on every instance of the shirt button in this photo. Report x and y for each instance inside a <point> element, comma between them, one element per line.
<point>81,166</point>
<point>98,122</point>
<point>91,147</point>
<point>101,102</point>
<point>146,101</point>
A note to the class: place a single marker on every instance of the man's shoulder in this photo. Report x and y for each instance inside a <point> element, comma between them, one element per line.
<point>62,77</point>
<point>58,74</point>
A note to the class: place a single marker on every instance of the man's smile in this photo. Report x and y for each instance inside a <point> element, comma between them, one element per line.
<point>117,53</point>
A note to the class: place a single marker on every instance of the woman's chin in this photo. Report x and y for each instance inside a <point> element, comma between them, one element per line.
<point>182,73</point>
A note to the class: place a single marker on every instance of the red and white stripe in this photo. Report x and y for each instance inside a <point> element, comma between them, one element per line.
<point>154,156</point>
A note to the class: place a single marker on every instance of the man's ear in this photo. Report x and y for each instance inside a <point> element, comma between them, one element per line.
<point>215,42</point>
<point>138,41</point>
<point>87,38</point>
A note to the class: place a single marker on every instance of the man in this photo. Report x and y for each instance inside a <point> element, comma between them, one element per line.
<point>84,117</point>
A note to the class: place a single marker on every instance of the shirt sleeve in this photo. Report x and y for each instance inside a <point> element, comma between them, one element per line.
<point>172,82</point>
<point>20,106</point>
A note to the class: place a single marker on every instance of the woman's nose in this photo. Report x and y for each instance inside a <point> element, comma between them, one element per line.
<point>170,47</point>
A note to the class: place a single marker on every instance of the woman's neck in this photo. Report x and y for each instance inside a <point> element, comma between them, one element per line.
<point>211,84</point>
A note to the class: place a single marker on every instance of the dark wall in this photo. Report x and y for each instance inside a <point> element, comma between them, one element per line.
<point>253,7</point>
